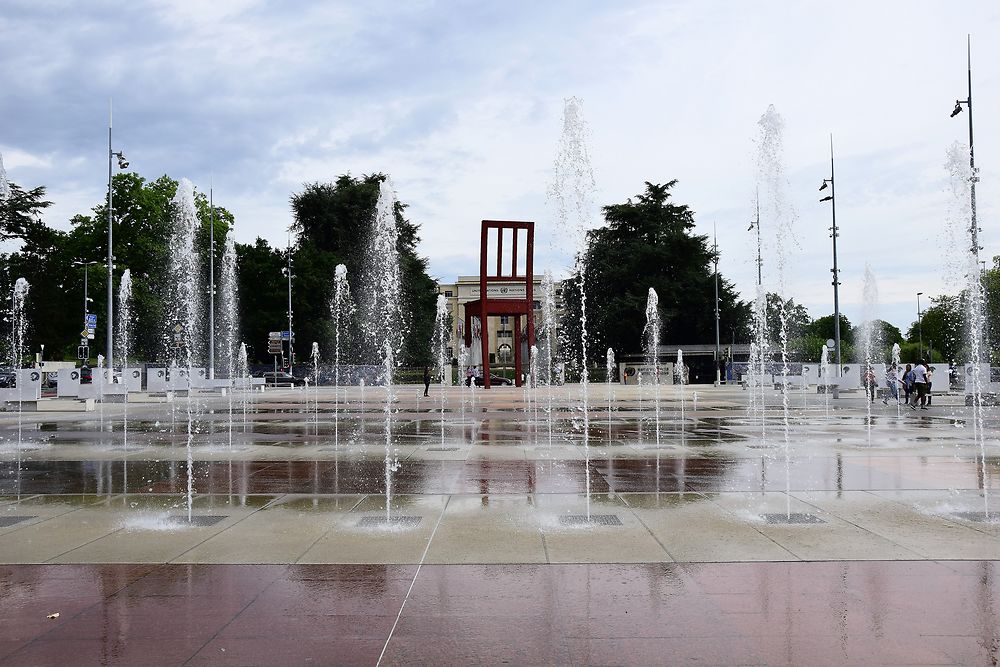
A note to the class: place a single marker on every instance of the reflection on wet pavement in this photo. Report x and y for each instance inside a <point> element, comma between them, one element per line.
<point>493,547</point>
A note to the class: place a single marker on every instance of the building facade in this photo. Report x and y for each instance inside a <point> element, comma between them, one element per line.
<point>501,328</point>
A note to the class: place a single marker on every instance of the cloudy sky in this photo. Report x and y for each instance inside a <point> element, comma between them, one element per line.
<point>461,103</point>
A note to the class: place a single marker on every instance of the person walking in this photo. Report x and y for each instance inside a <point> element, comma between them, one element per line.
<point>427,380</point>
<point>908,382</point>
<point>890,381</point>
<point>920,385</point>
<point>930,374</point>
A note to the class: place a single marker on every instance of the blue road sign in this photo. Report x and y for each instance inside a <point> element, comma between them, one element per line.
<point>91,322</point>
<point>285,335</point>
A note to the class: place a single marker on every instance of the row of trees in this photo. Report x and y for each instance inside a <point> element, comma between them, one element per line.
<point>330,226</point>
<point>648,241</point>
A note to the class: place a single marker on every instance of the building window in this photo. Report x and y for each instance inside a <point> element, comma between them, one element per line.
<point>449,293</point>
<point>504,319</point>
<point>505,333</point>
<point>537,305</point>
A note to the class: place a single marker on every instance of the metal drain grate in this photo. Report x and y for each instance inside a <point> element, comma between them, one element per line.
<point>978,517</point>
<point>200,520</point>
<point>593,519</point>
<point>794,517</point>
<point>405,521</point>
<point>12,519</point>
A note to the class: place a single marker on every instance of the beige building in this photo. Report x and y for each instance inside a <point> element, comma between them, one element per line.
<point>501,327</point>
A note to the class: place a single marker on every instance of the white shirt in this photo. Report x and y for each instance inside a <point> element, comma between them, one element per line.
<point>920,374</point>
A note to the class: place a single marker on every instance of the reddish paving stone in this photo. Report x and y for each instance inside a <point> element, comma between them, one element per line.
<point>742,613</point>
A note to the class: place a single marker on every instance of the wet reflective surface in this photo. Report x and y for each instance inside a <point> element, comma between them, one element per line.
<point>515,542</point>
<point>772,613</point>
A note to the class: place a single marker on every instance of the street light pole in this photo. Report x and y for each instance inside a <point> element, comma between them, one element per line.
<point>718,373</point>
<point>920,326</point>
<point>291,335</point>
<point>834,233</point>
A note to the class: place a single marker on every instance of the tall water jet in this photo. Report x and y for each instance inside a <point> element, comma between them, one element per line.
<point>463,362</point>
<point>967,273</point>
<point>123,340</point>
<point>229,320</point>
<point>681,378</point>
<point>894,369</point>
<point>4,183</point>
<point>184,302</point>
<point>775,207</point>
<point>533,369</point>
<point>342,309</point>
<point>243,373</point>
<point>441,339</point>
<point>824,374</point>
<point>611,374</point>
<point>572,194</point>
<point>870,343</point>
<point>384,318</point>
<point>314,357</point>
<point>757,367</point>
<point>19,329</point>
<point>651,343</point>
<point>548,337</point>
<point>391,461</point>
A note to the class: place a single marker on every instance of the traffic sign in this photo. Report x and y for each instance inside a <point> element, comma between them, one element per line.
<point>178,328</point>
<point>285,335</point>
<point>91,321</point>
<point>83,341</point>
<point>83,352</point>
<point>274,335</point>
<point>274,347</point>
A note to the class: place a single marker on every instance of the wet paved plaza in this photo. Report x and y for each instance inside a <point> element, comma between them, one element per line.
<point>512,533</point>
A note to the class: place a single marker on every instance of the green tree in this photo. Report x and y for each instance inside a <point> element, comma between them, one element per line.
<point>332,225</point>
<point>944,326</point>
<point>796,317</point>
<point>649,242</point>
<point>822,327</point>
<point>142,226</point>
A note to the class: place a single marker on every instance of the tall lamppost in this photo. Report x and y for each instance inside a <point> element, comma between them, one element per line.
<point>122,164</point>
<point>832,198</point>
<point>287,272</point>
<point>920,326</point>
<point>973,179</point>
<point>718,356</point>
<point>974,227</point>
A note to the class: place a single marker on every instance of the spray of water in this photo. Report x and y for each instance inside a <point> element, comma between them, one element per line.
<point>611,374</point>
<point>824,374</point>
<point>19,330</point>
<point>123,344</point>
<point>870,341</point>
<point>775,207</point>
<point>966,272</point>
<point>384,320</point>
<point>229,320</point>
<point>572,195</point>
<point>185,307</point>
<point>651,343</point>
<point>547,338</point>
<point>4,183</point>
<point>342,309</point>
<point>442,336</point>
